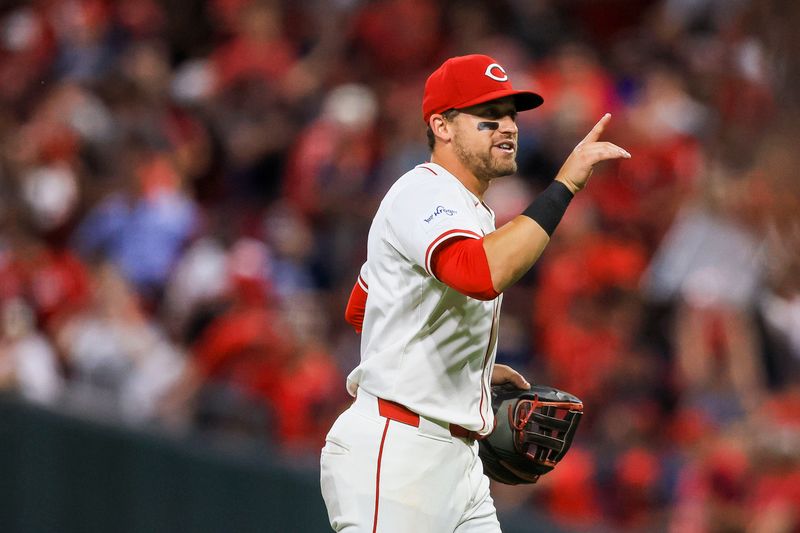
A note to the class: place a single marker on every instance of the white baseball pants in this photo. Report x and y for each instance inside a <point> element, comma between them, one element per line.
<point>383,476</point>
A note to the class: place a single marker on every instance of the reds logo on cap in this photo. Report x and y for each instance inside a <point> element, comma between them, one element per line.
<point>498,77</point>
<point>469,80</point>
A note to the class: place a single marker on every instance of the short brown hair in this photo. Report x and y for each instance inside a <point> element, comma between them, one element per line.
<point>448,116</point>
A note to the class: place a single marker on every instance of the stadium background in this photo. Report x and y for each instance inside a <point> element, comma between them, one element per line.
<point>185,194</point>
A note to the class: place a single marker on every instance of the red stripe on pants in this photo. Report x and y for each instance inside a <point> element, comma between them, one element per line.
<point>378,477</point>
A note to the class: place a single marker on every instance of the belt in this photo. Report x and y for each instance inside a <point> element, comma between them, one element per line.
<point>401,413</point>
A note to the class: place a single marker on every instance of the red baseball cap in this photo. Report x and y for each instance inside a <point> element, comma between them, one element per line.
<point>469,80</point>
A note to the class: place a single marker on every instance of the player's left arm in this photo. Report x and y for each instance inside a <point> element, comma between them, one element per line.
<point>505,374</point>
<point>512,249</point>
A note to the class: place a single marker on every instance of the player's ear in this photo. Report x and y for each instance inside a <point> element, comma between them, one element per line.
<point>441,127</point>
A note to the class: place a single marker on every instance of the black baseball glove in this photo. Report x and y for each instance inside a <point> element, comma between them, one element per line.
<point>534,430</point>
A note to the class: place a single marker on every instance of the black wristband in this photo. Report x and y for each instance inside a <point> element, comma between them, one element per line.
<point>549,206</point>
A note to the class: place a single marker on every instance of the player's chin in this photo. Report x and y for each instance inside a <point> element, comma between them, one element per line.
<point>505,168</point>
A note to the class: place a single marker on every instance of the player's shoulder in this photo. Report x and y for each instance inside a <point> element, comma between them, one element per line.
<point>429,173</point>
<point>424,180</point>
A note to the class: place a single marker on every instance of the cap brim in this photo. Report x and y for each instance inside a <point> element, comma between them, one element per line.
<point>523,100</point>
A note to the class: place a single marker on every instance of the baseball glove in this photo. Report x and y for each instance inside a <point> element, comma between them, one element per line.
<point>534,430</point>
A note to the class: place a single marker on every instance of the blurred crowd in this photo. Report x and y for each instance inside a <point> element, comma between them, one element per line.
<point>186,190</point>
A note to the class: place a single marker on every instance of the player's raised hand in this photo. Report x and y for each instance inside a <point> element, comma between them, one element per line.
<point>578,167</point>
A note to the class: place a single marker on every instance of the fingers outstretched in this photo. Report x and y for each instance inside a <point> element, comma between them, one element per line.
<point>590,151</point>
<point>597,130</point>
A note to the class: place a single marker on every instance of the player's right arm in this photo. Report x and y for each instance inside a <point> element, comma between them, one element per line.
<point>513,248</point>
<point>357,303</point>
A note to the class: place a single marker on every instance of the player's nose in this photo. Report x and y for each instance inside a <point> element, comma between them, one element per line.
<point>508,125</point>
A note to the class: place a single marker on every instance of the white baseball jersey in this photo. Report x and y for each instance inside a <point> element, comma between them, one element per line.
<point>425,345</point>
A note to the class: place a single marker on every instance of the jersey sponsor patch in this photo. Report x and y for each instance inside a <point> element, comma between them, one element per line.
<point>439,211</point>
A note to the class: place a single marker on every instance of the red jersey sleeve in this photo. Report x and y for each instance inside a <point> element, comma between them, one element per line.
<point>461,263</point>
<point>354,313</point>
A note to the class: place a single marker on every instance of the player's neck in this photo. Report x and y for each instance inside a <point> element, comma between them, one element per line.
<point>454,166</point>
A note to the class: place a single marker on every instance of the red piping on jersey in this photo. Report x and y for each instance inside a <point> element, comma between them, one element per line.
<point>430,169</point>
<point>440,239</point>
<point>363,283</point>
<point>485,361</point>
<point>378,477</point>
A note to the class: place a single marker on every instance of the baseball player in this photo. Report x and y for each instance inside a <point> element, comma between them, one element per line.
<point>403,457</point>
